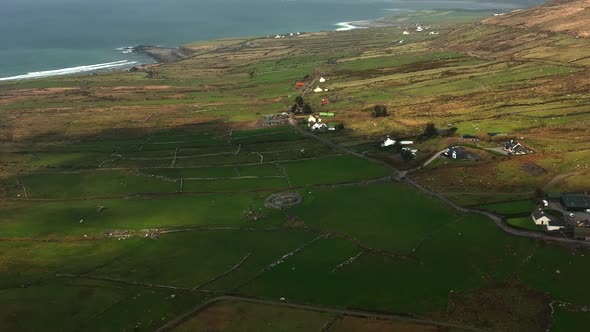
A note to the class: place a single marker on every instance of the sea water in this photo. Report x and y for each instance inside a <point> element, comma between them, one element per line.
<point>40,38</point>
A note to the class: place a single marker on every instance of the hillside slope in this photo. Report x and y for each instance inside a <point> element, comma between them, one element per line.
<point>571,16</point>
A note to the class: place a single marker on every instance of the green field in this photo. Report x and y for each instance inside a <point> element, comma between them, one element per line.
<point>128,199</point>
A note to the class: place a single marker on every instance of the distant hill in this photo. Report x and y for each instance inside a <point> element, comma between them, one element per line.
<point>572,16</point>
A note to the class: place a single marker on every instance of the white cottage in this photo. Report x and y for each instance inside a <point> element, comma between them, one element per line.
<point>319,126</point>
<point>388,142</point>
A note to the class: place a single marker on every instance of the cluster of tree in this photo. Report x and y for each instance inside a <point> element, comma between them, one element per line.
<point>431,131</point>
<point>301,107</point>
<point>379,111</point>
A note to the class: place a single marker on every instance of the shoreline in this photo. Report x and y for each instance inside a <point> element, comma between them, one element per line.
<point>164,55</point>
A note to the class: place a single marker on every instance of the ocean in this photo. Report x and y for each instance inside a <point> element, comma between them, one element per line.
<point>40,38</point>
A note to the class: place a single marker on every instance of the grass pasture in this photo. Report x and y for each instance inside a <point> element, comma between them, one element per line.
<point>127,199</point>
<point>245,316</point>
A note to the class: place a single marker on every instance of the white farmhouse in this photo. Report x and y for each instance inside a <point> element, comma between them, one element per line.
<point>319,126</point>
<point>388,142</point>
<point>405,32</point>
<point>322,80</point>
<point>318,89</point>
<point>552,223</point>
<point>540,218</point>
<point>312,119</point>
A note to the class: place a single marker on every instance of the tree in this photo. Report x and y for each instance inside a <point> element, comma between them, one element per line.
<point>430,130</point>
<point>452,131</point>
<point>379,111</point>
<point>299,101</point>
<point>307,109</point>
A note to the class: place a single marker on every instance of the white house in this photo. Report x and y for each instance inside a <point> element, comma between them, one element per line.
<point>312,119</point>
<point>514,147</point>
<point>401,41</point>
<point>388,142</point>
<point>319,126</point>
<point>322,80</point>
<point>551,223</point>
<point>419,28</point>
<point>405,32</point>
<point>540,218</point>
<point>433,33</point>
<point>318,89</point>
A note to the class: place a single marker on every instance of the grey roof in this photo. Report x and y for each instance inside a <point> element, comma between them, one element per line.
<point>538,213</point>
<point>576,201</point>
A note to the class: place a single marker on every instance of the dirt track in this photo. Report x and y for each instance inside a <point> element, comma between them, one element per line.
<point>354,313</point>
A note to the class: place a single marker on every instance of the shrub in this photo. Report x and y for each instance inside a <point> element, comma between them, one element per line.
<point>380,111</point>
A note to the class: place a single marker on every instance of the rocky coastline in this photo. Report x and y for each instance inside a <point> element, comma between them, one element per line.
<point>163,54</point>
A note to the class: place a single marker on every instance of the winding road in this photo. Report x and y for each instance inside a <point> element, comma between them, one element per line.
<point>402,177</point>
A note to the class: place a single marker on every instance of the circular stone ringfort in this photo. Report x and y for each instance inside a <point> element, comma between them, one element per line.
<point>282,201</point>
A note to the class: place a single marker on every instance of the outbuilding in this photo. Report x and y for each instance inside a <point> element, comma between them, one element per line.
<point>575,202</point>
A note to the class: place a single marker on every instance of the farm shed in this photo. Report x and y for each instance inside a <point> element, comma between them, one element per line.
<point>575,202</point>
<point>271,120</point>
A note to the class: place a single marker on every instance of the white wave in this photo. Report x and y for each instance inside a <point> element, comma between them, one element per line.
<point>346,26</point>
<point>72,70</point>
